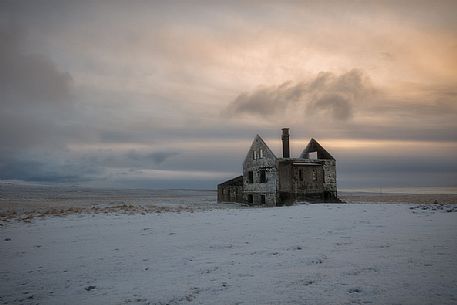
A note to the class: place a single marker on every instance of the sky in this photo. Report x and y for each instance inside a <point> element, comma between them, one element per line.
<point>170,94</point>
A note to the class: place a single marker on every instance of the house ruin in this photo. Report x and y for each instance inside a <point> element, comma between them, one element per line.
<point>272,181</point>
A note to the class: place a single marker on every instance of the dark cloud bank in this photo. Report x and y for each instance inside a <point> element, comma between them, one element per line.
<point>340,97</point>
<point>35,96</point>
<point>328,93</point>
<point>36,106</point>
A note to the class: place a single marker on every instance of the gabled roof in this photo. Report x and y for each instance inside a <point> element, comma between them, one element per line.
<point>314,146</point>
<point>237,181</point>
<point>267,152</point>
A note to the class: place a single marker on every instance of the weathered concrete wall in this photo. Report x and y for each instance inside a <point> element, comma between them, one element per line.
<point>330,188</point>
<point>294,185</point>
<point>311,181</point>
<point>230,193</point>
<point>330,177</point>
<point>260,158</point>
<point>285,175</point>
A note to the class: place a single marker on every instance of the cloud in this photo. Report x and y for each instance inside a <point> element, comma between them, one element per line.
<point>135,159</point>
<point>78,168</point>
<point>35,96</point>
<point>28,169</point>
<point>160,157</point>
<point>327,94</point>
<point>27,78</point>
<point>77,101</point>
<point>337,105</point>
<point>37,113</point>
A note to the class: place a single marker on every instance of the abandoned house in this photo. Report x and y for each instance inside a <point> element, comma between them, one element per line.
<point>272,181</point>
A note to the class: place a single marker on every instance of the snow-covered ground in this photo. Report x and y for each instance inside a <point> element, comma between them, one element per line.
<point>305,254</point>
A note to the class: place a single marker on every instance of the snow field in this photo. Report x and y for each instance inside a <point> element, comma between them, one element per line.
<point>305,254</point>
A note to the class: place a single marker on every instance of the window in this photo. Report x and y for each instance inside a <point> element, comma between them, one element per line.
<point>250,177</point>
<point>254,155</point>
<point>300,174</point>
<point>250,198</point>
<point>263,176</point>
<point>314,175</point>
<point>313,155</point>
<point>263,199</point>
<point>261,153</point>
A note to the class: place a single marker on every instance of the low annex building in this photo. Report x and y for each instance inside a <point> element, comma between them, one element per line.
<point>272,181</point>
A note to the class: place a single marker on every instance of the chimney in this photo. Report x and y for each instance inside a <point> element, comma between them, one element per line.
<point>285,143</point>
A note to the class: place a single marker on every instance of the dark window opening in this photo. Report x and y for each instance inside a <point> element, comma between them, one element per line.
<point>250,177</point>
<point>263,199</point>
<point>250,198</point>
<point>263,176</point>
<point>300,175</point>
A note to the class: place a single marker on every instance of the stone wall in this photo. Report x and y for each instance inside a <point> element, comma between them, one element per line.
<point>330,177</point>
<point>230,193</point>
<point>312,178</point>
<point>299,182</point>
<point>260,158</point>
